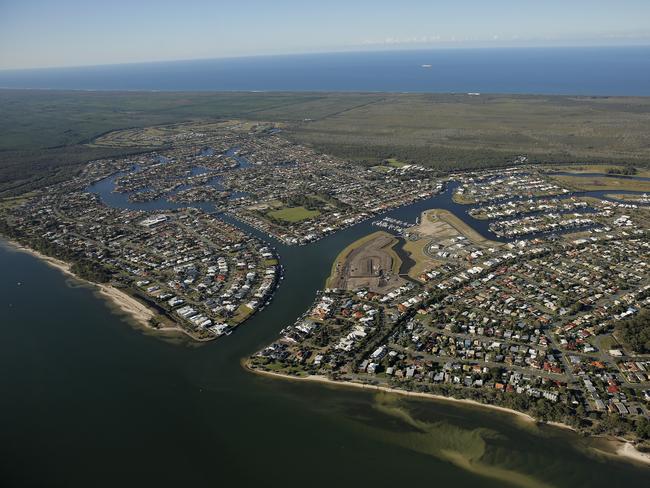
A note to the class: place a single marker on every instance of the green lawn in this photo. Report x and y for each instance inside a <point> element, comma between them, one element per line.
<point>293,214</point>
<point>241,314</point>
<point>395,163</point>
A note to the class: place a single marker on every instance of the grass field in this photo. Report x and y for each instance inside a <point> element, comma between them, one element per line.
<point>395,163</point>
<point>415,250</point>
<point>45,136</point>
<point>293,214</point>
<point>241,314</point>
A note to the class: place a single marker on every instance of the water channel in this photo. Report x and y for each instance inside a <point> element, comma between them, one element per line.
<point>89,400</point>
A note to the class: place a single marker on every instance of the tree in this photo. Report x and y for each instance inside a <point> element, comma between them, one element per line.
<point>635,332</point>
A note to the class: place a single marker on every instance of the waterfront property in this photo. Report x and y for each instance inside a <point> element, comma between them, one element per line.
<point>506,302</point>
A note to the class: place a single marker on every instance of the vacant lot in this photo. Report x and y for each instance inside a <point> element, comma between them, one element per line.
<point>370,262</point>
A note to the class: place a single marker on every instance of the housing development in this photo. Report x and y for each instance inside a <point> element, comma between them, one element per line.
<point>509,288</point>
<point>197,271</point>
<point>511,323</point>
<point>348,244</point>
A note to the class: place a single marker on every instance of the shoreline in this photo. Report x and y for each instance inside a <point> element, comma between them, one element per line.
<point>134,309</point>
<point>622,449</point>
<point>386,389</point>
<point>628,451</point>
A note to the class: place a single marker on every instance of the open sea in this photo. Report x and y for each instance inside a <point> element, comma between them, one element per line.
<point>563,71</point>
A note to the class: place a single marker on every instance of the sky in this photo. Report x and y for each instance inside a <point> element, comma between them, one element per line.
<point>53,33</point>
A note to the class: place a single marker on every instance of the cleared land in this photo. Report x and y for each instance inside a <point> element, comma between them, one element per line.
<point>417,252</point>
<point>45,136</point>
<point>437,226</point>
<point>370,262</point>
<point>589,183</point>
<point>431,217</point>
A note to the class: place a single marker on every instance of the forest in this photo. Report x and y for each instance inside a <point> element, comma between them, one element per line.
<point>47,136</point>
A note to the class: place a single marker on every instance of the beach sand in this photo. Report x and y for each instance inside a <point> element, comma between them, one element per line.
<point>431,396</point>
<point>622,448</point>
<point>136,310</point>
<point>627,450</point>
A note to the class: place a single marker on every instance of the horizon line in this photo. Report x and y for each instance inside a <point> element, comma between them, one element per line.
<point>356,50</point>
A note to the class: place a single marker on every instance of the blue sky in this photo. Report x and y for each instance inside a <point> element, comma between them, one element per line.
<point>40,33</point>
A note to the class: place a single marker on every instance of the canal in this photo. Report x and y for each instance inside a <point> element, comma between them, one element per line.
<point>87,399</point>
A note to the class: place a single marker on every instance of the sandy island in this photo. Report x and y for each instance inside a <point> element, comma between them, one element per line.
<point>623,448</point>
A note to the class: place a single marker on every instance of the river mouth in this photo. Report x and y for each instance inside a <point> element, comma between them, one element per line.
<point>93,395</point>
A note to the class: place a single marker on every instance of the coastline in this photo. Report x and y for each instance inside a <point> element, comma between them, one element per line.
<point>627,450</point>
<point>137,311</point>
<point>386,389</point>
<point>621,447</point>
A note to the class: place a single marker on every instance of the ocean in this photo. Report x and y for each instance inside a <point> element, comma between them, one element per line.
<point>596,71</point>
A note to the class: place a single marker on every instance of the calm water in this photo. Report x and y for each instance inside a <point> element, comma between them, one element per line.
<point>577,71</point>
<point>89,400</point>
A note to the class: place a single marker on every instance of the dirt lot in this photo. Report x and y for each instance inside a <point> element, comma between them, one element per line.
<point>438,228</point>
<point>368,263</point>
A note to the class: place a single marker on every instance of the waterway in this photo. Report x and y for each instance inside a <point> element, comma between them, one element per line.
<point>89,400</point>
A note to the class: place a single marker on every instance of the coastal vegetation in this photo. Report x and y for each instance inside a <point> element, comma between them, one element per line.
<point>609,169</point>
<point>83,267</point>
<point>46,136</point>
<point>626,171</point>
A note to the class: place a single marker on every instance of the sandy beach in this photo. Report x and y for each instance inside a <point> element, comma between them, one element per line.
<point>623,448</point>
<point>135,309</point>
<point>627,450</point>
<point>431,396</point>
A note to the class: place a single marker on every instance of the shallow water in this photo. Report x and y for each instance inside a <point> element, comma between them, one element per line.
<point>89,400</point>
